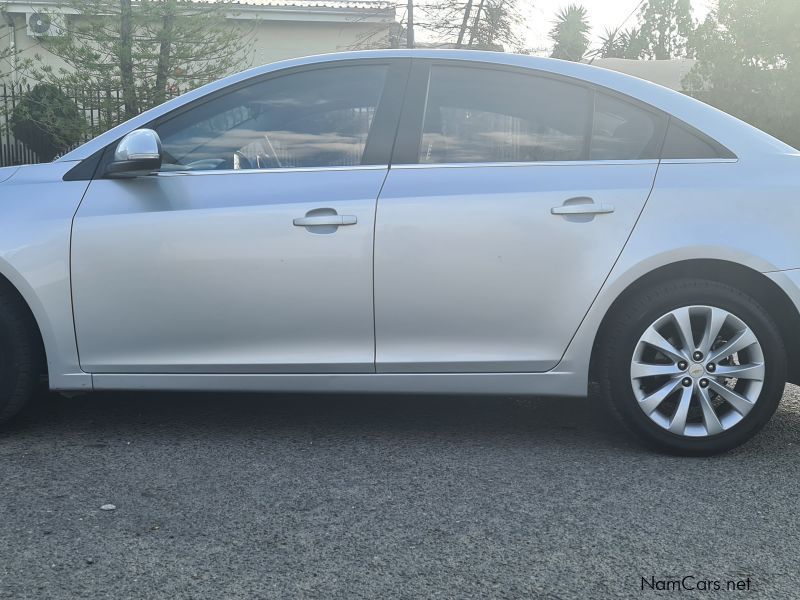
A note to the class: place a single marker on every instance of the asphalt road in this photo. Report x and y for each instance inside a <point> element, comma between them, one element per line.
<point>221,496</point>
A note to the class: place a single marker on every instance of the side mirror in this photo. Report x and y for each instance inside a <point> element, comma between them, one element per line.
<point>137,154</point>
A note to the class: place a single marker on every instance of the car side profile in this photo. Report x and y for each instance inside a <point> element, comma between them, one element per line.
<point>407,221</point>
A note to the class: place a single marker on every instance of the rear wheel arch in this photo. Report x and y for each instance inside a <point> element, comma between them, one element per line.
<point>765,291</point>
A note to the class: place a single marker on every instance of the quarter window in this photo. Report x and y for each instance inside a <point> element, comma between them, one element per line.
<point>682,143</point>
<point>318,118</point>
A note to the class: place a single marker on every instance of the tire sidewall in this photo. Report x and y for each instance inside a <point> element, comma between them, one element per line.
<point>19,358</point>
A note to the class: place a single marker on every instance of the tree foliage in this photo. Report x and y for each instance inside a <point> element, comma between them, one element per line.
<point>570,33</point>
<point>147,49</point>
<point>666,29</point>
<point>622,43</point>
<point>749,64</point>
<point>476,24</point>
<point>47,121</point>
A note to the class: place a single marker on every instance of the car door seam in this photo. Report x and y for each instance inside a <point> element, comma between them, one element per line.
<point>613,266</point>
<point>374,305</point>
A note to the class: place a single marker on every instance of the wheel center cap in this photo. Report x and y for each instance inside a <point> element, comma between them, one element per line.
<point>697,370</point>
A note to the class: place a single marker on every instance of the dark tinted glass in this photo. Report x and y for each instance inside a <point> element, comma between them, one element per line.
<point>316,118</point>
<point>624,131</point>
<point>480,115</point>
<point>683,143</point>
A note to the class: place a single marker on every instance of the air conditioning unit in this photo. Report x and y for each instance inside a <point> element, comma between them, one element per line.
<point>45,24</point>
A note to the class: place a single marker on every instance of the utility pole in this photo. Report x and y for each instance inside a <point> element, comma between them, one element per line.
<point>464,23</point>
<point>410,24</point>
<point>476,23</point>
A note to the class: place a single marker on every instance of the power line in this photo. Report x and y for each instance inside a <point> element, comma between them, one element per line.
<point>633,12</point>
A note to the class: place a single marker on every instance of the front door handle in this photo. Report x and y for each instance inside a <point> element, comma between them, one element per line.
<point>325,220</point>
<point>582,206</point>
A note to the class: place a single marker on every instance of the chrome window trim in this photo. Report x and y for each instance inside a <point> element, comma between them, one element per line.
<point>264,171</point>
<point>698,161</point>
<point>564,163</point>
<point>568,163</point>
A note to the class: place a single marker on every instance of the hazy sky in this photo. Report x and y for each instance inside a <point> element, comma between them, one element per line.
<point>603,13</point>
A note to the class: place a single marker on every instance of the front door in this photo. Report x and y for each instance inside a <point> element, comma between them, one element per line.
<point>251,251</point>
<point>495,236</point>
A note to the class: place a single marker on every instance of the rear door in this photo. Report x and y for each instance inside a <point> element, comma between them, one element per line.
<point>510,196</point>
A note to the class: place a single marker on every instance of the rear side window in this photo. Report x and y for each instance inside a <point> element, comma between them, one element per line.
<point>625,131</point>
<point>476,115</point>
<point>684,143</point>
<point>481,115</point>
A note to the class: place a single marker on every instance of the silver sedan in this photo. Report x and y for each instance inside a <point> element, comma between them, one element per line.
<point>417,221</point>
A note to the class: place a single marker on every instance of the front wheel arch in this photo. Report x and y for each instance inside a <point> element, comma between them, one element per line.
<point>7,288</point>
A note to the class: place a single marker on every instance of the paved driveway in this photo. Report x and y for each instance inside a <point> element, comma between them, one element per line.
<point>380,497</point>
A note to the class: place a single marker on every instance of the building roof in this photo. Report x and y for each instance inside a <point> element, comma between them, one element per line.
<point>341,4</point>
<point>382,11</point>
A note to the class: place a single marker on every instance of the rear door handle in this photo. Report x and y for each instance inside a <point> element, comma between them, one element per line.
<point>323,220</point>
<point>582,209</point>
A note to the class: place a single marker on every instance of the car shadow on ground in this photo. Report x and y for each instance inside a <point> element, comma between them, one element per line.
<point>471,416</point>
<point>540,422</point>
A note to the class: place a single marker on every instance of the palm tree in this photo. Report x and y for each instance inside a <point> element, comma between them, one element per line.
<point>632,43</point>
<point>571,33</point>
<point>610,44</point>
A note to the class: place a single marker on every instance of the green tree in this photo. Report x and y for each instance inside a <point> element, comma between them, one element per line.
<point>146,49</point>
<point>47,121</point>
<point>570,33</point>
<point>619,43</point>
<point>667,28</point>
<point>748,64</point>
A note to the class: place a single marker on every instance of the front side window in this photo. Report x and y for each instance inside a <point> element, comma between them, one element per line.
<point>317,118</point>
<point>475,115</point>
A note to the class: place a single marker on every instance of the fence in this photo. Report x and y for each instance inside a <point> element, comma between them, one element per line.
<point>102,109</point>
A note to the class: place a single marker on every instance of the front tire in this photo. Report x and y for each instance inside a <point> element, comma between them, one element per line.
<point>691,366</point>
<point>21,356</point>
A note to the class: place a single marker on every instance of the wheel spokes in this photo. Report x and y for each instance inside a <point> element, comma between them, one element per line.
<point>654,400</point>
<point>710,419</point>
<point>715,319</point>
<point>640,370</point>
<point>678,422</point>
<point>683,322</point>
<point>741,404</point>
<point>754,372</point>
<point>653,338</point>
<point>739,342</point>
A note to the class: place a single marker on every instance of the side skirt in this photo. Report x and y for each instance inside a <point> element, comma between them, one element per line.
<point>513,384</point>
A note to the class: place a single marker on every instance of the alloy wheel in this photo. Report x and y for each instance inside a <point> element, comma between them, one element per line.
<point>697,371</point>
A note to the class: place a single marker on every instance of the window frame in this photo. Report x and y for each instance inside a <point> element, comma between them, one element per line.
<point>380,140</point>
<point>412,120</point>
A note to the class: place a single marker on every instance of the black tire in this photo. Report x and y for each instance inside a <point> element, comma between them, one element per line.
<point>630,320</point>
<point>21,356</point>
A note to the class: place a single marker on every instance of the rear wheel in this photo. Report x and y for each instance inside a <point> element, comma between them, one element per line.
<point>693,366</point>
<point>20,356</point>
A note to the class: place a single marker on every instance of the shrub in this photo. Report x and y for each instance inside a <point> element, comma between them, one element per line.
<point>47,121</point>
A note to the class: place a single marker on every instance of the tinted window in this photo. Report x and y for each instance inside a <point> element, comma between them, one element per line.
<point>316,118</point>
<point>481,115</point>
<point>683,143</point>
<point>624,131</point>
